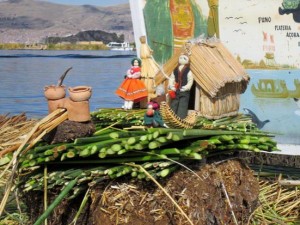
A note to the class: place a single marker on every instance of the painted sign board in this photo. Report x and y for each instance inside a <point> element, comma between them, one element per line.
<point>263,35</point>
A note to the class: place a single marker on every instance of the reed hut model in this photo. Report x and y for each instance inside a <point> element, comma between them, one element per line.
<point>219,79</point>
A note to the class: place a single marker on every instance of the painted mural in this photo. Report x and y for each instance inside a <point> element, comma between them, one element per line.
<point>263,35</point>
<point>174,23</point>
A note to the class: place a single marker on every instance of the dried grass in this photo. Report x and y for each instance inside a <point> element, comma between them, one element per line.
<point>40,128</point>
<point>278,205</point>
<point>13,131</point>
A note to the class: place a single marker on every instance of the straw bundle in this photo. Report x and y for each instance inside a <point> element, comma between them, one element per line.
<point>35,134</point>
<point>12,132</point>
<point>15,129</point>
<point>149,67</point>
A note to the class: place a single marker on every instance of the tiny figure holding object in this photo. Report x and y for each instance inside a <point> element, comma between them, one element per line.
<point>132,89</point>
<point>152,117</point>
<point>180,84</point>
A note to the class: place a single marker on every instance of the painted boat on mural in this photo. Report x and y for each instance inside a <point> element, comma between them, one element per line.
<point>295,93</point>
<point>269,88</point>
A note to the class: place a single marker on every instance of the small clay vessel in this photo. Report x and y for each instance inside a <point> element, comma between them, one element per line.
<point>57,92</point>
<point>53,92</point>
<point>80,93</point>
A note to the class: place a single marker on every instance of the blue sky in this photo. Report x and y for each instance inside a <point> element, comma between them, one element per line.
<point>89,2</point>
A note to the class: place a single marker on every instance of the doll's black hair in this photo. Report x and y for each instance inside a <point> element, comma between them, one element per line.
<point>138,59</point>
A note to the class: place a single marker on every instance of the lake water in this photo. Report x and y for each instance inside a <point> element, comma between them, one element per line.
<point>24,74</point>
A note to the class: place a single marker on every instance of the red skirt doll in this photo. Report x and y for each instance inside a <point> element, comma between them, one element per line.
<point>132,89</point>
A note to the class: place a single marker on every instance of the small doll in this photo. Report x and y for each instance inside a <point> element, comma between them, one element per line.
<point>152,117</point>
<point>180,84</point>
<point>132,89</point>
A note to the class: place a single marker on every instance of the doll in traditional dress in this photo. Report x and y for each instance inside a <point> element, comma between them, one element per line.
<point>180,83</point>
<point>132,89</point>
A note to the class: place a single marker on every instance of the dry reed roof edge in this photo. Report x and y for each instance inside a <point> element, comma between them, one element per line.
<point>212,65</point>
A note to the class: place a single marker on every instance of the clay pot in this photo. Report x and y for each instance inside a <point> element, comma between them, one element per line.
<point>78,111</point>
<point>55,104</point>
<point>80,93</point>
<point>53,92</point>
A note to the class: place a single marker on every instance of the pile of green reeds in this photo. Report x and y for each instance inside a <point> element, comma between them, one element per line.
<point>240,122</point>
<point>118,117</point>
<point>156,149</point>
<point>87,176</point>
<point>123,118</point>
<point>119,148</point>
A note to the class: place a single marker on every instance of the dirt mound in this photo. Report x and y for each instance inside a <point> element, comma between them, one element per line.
<point>201,196</point>
<point>68,131</point>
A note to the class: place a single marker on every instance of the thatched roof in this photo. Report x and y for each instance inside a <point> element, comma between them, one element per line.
<point>212,65</point>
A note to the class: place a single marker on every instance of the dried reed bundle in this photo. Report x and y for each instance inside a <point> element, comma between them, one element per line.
<point>149,66</point>
<point>13,131</point>
<point>148,71</point>
<point>4,119</point>
<point>46,128</point>
<point>279,205</point>
<point>41,127</point>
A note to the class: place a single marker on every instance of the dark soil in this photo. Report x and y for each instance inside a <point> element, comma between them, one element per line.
<point>201,197</point>
<point>68,131</point>
<point>137,202</point>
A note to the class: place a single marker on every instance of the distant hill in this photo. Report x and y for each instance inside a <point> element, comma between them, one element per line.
<point>30,21</point>
<point>90,35</point>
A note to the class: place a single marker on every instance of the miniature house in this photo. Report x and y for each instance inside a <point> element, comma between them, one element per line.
<point>219,79</point>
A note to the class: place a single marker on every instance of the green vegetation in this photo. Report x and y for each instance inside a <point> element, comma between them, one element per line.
<point>59,46</point>
<point>121,147</point>
<point>11,46</point>
<point>70,46</point>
